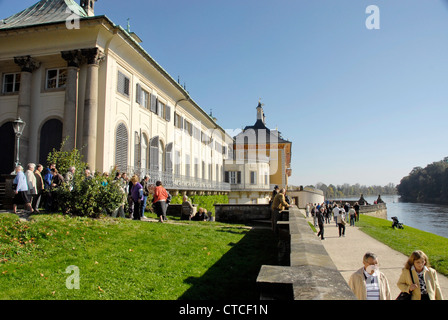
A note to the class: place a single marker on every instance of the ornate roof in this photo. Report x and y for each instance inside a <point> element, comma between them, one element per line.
<point>43,12</point>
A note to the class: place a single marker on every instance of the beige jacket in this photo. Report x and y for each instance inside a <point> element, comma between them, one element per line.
<point>431,280</point>
<point>357,283</point>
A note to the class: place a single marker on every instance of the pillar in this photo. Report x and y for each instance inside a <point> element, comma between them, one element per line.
<point>74,58</point>
<point>93,57</point>
<point>28,65</point>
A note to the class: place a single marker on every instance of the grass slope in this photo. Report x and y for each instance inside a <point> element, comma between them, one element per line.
<point>408,240</point>
<point>121,259</point>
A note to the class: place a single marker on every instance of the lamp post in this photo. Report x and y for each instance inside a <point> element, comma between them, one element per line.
<point>18,126</point>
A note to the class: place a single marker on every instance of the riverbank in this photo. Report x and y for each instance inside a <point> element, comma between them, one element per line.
<point>391,245</point>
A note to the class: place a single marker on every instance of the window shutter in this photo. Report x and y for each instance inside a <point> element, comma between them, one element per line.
<point>121,148</point>
<point>226,176</point>
<point>154,154</point>
<point>138,93</point>
<point>153,103</point>
<point>168,113</point>
<point>238,179</point>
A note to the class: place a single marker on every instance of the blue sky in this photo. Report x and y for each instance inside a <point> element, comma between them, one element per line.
<point>360,106</point>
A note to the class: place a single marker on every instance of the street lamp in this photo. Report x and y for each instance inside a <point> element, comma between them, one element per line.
<point>18,126</point>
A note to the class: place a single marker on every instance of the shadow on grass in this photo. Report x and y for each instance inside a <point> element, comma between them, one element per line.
<point>234,275</point>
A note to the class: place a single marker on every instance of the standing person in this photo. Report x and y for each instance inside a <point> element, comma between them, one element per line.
<point>69,176</point>
<point>159,201</point>
<point>352,214</point>
<point>137,196</point>
<point>368,283</point>
<point>336,214</point>
<point>39,187</point>
<point>146,191</point>
<point>20,187</point>
<point>279,204</point>
<point>31,180</point>
<point>274,193</point>
<point>419,279</point>
<point>187,209</point>
<point>320,222</point>
<point>307,210</point>
<point>56,182</point>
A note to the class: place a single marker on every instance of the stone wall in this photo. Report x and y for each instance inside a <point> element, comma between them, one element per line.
<point>374,210</point>
<point>310,273</point>
<point>241,213</point>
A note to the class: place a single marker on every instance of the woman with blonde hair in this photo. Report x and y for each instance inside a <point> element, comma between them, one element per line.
<point>419,279</point>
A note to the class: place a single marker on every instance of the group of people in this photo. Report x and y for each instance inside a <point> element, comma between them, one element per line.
<point>418,281</point>
<point>29,186</point>
<point>29,189</point>
<point>324,212</point>
<point>188,212</point>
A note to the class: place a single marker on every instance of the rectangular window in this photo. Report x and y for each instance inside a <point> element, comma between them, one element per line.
<point>11,82</point>
<point>161,109</point>
<point>178,121</point>
<point>232,177</point>
<point>142,96</point>
<point>253,177</point>
<point>123,84</point>
<point>56,78</point>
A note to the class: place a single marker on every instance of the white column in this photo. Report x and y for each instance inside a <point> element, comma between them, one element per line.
<point>28,66</point>
<point>94,56</point>
<point>74,59</point>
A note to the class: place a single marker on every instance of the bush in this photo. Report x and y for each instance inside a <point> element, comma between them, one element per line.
<point>82,196</point>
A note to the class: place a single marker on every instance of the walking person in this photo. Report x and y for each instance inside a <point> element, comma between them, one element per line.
<point>368,283</point>
<point>341,222</point>
<point>320,222</point>
<point>20,187</point>
<point>146,192</point>
<point>159,200</point>
<point>137,196</point>
<point>356,206</point>
<point>307,210</point>
<point>31,180</point>
<point>352,214</point>
<point>419,279</point>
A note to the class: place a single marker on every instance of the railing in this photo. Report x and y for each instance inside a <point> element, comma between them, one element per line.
<point>179,182</point>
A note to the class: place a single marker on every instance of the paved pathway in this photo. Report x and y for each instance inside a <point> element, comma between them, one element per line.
<point>347,253</point>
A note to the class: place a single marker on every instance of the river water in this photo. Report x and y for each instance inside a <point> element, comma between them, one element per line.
<point>431,218</point>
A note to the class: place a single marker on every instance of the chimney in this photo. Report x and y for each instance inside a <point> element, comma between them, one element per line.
<point>89,7</point>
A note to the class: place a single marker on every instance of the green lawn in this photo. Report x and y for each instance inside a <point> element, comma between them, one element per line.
<point>408,240</point>
<point>121,259</point>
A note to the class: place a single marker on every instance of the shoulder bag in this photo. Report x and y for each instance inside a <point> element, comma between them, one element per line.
<point>406,295</point>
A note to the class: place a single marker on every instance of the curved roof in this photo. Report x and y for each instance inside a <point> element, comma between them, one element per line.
<point>44,11</point>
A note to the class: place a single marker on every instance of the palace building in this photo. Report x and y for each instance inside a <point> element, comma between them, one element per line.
<point>77,77</point>
<point>261,160</point>
<point>70,74</point>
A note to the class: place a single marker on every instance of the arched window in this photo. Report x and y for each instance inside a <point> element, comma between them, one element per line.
<point>121,148</point>
<point>50,138</point>
<point>154,154</point>
<point>7,145</point>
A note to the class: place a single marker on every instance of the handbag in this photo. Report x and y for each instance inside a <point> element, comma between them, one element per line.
<point>406,295</point>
